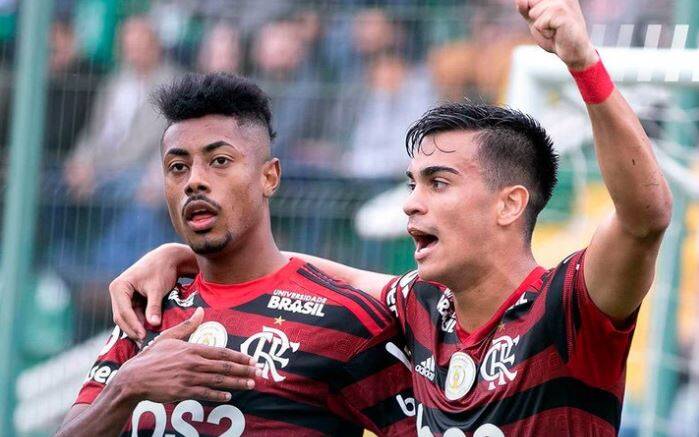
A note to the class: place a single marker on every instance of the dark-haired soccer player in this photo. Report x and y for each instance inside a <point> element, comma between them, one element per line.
<point>322,348</point>
<point>511,348</point>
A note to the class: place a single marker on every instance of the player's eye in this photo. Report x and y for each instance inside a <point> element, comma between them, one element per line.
<point>220,161</point>
<point>410,185</point>
<point>177,167</point>
<point>438,184</point>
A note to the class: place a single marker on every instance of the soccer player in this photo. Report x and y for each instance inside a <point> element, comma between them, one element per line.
<point>321,347</point>
<point>511,348</point>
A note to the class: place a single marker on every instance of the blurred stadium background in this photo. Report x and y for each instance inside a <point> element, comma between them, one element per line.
<point>81,191</point>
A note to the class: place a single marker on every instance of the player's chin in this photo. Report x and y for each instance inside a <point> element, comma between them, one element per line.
<point>429,271</point>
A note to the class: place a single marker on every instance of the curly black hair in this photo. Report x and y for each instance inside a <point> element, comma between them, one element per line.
<point>196,95</point>
<point>513,148</point>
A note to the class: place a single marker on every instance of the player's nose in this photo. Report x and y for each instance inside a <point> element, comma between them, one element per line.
<point>414,204</point>
<point>197,181</point>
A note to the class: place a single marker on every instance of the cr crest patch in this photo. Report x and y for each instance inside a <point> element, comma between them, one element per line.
<point>210,334</point>
<point>460,376</point>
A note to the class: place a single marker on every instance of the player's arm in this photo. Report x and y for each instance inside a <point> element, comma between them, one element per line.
<point>370,282</point>
<point>155,274</point>
<point>168,370</point>
<point>620,261</point>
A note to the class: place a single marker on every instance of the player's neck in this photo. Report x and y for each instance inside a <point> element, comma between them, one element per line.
<point>255,257</point>
<point>489,287</point>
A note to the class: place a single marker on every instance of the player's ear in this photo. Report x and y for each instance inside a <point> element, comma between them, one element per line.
<point>271,176</point>
<point>512,203</point>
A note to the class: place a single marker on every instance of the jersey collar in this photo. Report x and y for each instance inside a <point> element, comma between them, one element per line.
<point>476,336</point>
<point>230,295</point>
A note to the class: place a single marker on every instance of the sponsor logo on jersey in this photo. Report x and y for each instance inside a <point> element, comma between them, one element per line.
<point>297,303</point>
<point>423,429</point>
<point>184,303</point>
<point>269,348</point>
<point>210,334</point>
<point>426,368</point>
<point>460,376</point>
<point>445,308</point>
<point>391,300</point>
<point>101,373</point>
<point>498,360</point>
<point>116,335</point>
<point>400,354</point>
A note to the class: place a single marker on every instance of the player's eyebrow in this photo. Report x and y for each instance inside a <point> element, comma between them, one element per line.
<point>215,145</point>
<point>176,151</point>
<point>429,171</point>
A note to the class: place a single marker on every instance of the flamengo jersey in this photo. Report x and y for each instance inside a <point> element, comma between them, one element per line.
<point>322,347</point>
<point>549,362</point>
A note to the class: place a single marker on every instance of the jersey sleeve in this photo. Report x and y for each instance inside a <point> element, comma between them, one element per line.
<point>593,345</point>
<point>395,295</point>
<point>377,389</point>
<point>118,349</point>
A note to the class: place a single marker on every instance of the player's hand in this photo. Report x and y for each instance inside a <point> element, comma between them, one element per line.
<point>170,369</point>
<point>152,277</point>
<point>558,26</point>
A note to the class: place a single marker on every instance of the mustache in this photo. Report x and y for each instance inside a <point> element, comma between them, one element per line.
<point>203,198</point>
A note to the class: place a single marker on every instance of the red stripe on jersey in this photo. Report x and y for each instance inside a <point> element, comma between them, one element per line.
<point>295,388</point>
<point>339,344</point>
<point>561,422</point>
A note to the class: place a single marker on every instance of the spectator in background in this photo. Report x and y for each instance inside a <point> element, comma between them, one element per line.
<point>220,50</point>
<point>116,166</point>
<point>71,88</point>
<point>123,134</point>
<point>396,93</point>
<point>283,65</point>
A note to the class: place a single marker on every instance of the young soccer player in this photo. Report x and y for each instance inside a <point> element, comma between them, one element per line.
<point>511,348</point>
<point>323,349</point>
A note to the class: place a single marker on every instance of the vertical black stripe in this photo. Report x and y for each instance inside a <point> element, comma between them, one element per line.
<point>555,312</point>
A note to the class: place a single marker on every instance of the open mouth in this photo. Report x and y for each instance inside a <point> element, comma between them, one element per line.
<point>200,215</point>
<point>424,242</point>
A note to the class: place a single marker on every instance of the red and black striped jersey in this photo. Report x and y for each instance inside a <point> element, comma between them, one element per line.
<point>548,362</point>
<point>323,348</point>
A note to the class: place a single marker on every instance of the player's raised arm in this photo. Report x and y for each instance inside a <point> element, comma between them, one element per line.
<point>620,261</point>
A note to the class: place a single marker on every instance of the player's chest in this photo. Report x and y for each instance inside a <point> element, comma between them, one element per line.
<point>458,385</point>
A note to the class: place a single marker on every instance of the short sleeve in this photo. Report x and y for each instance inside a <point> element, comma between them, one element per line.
<point>395,294</point>
<point>594,346</point>
<point>118,349</point>
<point>376,386</point>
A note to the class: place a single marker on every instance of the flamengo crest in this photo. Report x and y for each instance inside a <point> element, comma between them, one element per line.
<point>497,362</point>
<point>268,348</point>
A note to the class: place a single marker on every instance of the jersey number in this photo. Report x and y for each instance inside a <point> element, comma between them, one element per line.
<point>182,427</point>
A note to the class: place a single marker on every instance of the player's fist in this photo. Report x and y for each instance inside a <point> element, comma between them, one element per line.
<point>558,26</point>
<point>170,369</point>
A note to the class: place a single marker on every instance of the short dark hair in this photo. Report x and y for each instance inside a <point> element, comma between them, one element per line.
<point>195,95</point>
<point>513,148</point>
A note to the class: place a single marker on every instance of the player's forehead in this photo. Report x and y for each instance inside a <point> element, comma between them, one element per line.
<point>453,149</point>
<point>196,133</point>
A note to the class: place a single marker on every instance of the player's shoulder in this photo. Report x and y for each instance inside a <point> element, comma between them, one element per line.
<point>411,282</point>
<point>368,310</point>
<point>562,273</point>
